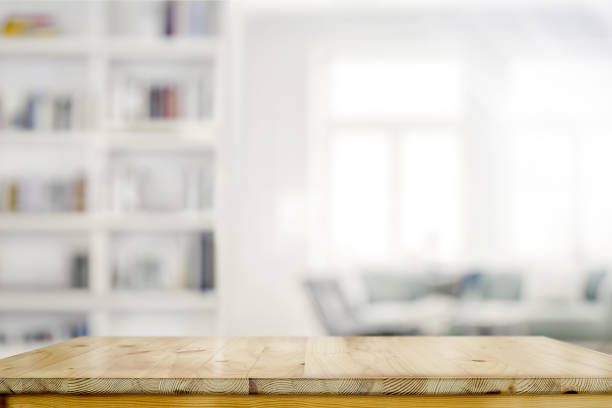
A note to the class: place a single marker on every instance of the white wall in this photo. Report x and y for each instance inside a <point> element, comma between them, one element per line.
<point>261,283</point>
<point>265,252</point>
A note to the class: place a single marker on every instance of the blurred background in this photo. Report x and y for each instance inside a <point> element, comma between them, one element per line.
<point>304,168</point>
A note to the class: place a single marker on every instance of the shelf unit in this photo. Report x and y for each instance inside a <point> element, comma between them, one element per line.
<point>81,300</point>
<point>97,49</point>
<point>107,222</point>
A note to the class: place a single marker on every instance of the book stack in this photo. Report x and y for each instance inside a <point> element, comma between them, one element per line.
<point>41,111</point>
<point>40,195</point>
<point>162,102</point>
<point>191,18</point>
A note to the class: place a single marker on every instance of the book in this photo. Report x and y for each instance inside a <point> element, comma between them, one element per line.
<point>169,18</point>
<point>79,271</point>
<point>207,263</point>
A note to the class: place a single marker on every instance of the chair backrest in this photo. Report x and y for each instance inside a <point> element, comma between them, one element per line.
<point>331,305</point>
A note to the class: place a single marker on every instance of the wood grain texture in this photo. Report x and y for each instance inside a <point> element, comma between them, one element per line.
<point>307,366</point>
<point>311,401</point>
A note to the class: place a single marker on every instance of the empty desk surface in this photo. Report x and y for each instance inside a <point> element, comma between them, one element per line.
<point>241,371</point>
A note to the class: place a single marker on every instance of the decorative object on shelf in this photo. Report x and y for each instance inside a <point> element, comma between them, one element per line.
<point>29,24</point>
<point>160,182</point>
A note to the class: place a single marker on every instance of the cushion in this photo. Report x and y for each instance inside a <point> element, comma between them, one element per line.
<point>395,286</point>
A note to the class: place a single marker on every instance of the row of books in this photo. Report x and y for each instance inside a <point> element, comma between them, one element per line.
<point>138,261</point>
<point>191,18</point>
<point>37,194</point>
<point>42,111</point>
<point>131,188</point>
<point>39,330</point>
<point>162,102</point>
<point>185,261</point>
<point>134,99</point>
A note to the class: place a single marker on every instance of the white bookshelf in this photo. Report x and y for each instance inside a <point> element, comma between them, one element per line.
<point>50,222</point>
<point>8,138</point>
<point>173,49</point>
<point>53,47</point>
<point>132,48</point>
<point>97,49</point>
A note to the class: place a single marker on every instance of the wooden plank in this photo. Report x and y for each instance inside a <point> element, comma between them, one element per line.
<point>20,364</point>
<point>311,401</point>
<point>280,358</point>
<point>299,365</point>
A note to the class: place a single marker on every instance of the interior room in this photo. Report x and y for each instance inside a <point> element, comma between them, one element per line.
<point>305,168</point>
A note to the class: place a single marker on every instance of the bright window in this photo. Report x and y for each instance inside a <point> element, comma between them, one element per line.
<point>396,161</point>
<point>396,89</point>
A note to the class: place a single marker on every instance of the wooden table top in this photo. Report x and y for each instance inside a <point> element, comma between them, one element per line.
<point>308,365</point>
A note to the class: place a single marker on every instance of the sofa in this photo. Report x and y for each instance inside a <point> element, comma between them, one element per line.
<point>472,302</point>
